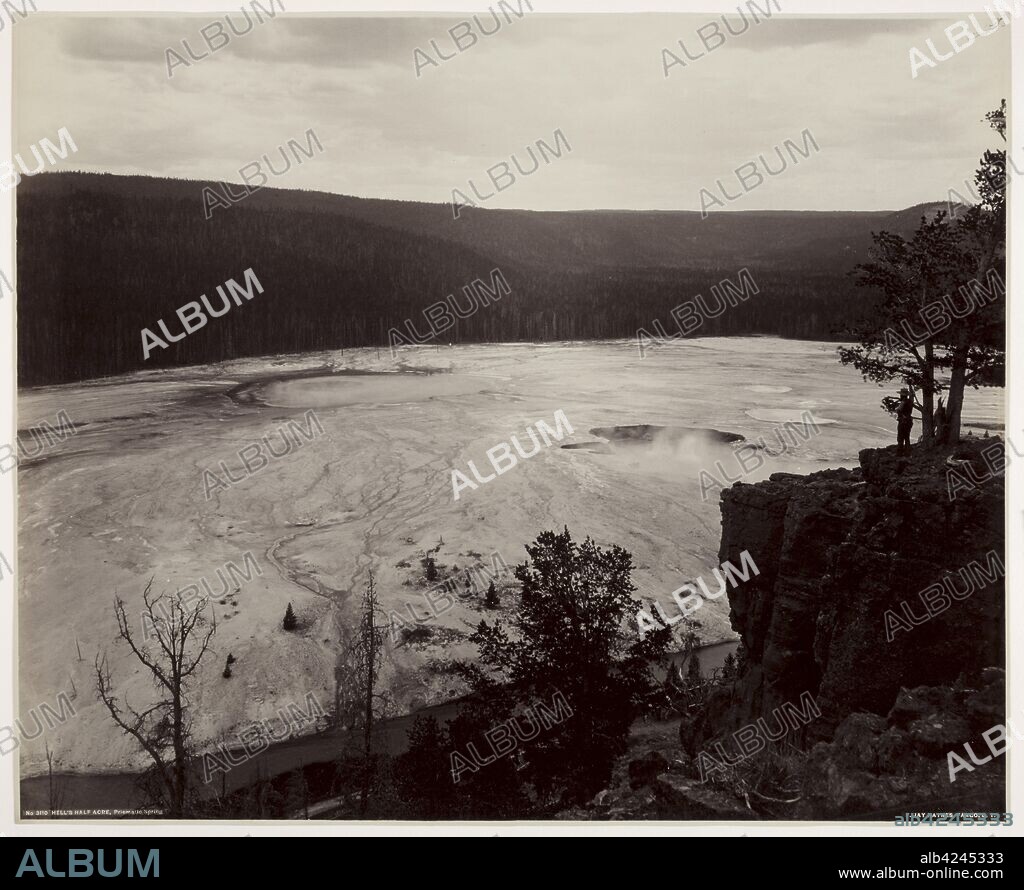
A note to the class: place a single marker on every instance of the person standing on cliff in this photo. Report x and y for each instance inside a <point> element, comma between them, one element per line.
<point>939,423</point>
<point>904,421</point>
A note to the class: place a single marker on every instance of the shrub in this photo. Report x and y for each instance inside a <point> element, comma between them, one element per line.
<point>418,634</point>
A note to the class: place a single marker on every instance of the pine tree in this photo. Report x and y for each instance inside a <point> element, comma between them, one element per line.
<point>963,344</point>
<point>290,621</point>
<point>431,569</point>
<point>741,659</point>
<point>297,795</point>
<point>492,602</point>
<point>729,669</point>
<point>570,640</point>
<point>693,674</point>
<point>423,773</point>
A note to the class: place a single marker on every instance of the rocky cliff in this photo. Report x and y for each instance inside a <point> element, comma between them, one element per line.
<point>873,647</point>
<point>871,579</point>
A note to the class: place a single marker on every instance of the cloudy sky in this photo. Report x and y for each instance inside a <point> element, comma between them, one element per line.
<point>639,139</point>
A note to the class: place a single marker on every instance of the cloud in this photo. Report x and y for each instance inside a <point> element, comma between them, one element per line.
<point>640,139</point>
<point>847,32</point>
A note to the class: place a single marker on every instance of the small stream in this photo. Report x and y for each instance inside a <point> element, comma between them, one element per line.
<point>93,793</point>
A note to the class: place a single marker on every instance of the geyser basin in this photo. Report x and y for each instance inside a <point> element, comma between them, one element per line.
<point>647,434</point>
<point>388,389</point>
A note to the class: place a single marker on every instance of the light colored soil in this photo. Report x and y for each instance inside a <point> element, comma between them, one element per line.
<point>123,501</point>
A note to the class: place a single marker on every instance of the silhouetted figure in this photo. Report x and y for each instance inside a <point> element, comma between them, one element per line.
<point>904,421</point>
<point>939,423</point>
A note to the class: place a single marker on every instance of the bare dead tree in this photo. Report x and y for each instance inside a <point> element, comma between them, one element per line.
<point>56,786</point>
<point>368,655</point>
<point>346,682</point>
<point>164,730</point>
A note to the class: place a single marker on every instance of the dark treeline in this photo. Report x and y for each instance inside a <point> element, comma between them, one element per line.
<point>101,257</point>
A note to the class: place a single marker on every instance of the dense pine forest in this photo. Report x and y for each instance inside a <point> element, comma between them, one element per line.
<point>100,257</point>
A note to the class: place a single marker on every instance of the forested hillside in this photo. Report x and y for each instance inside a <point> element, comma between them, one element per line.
<point>101,257</point>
